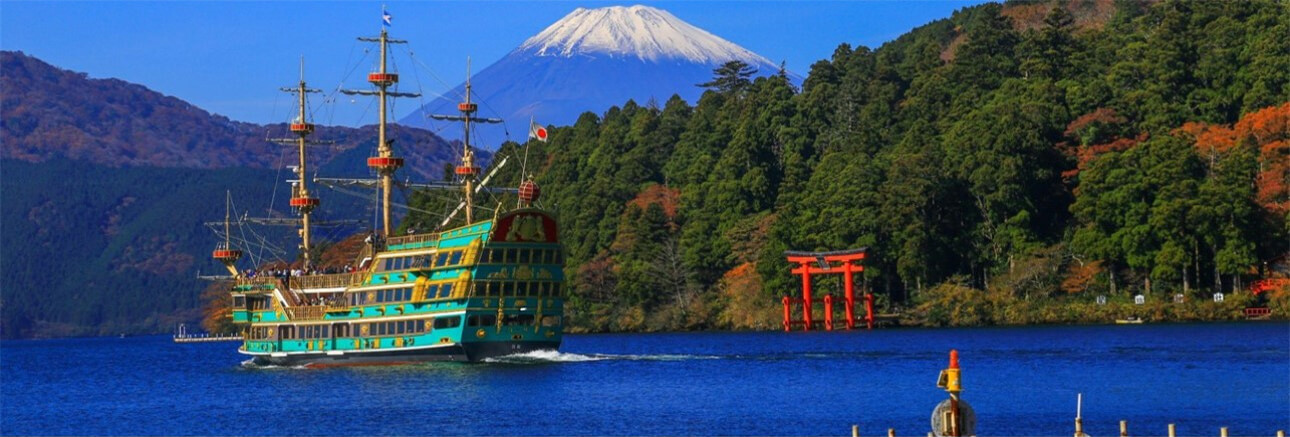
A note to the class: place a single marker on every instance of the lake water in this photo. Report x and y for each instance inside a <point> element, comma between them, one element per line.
<point>1020,381</point>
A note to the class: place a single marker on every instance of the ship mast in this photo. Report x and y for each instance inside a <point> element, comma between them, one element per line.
<point>300,197</point>
<point>385,163</point>
<point>225,254</point>
<point>467,171</point>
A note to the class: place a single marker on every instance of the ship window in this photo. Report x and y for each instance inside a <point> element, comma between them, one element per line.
<point>522,289</point>
<point>482,320</point>
<point>402,328</point>
<point>380,328</point>
<point>259,304</point>
<point>456,258</point>
<point>445,291</point>
<point>493,288</point>
<point>447,322</point>
<point>522,256</point>
<point>385,264</point>
<point>442,260</point>
<point>397,264</point>
<point>431,290</point>
<point>518,319</point>
<point>508,289</point>
<point>558,256</point>
<point>239,301</point>
<point>426,261</point>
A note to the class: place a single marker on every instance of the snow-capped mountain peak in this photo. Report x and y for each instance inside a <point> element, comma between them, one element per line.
<point>638,31</point>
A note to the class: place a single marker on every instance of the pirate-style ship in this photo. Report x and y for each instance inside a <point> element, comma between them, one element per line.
<point>487,288</point>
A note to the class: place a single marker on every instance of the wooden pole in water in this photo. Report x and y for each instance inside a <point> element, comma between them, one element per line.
<point>891,432</point>
<point>1124,428</point>
<point>1281,433</point>
<point>1222,432</point>
<point>1172,432</point>
<point>855,430</point>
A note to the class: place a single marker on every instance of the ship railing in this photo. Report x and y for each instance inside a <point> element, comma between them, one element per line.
<point>258,282</point>
<point>337,306</point>
<point>311,312</point>
<point>324,281</point>
<point>417,240</point>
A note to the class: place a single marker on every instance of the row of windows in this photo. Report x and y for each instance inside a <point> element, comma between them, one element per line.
<point>518,289</point>
<point>292,332</point>
<point>510,319</point>
<point>399,327</point>
<point>253,304</point>
<point>259,333</point>
<point>491,319</point>
<point>520,256</point>
<point>444,291</point>
<point>488,256</point>
<point>444,259</point>
<point>438,291</point>
<point>381,296</point>
<point>313,331</point>
<point>394,295</point>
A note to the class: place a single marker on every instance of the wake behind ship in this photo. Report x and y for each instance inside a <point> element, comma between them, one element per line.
<point>482,289</point>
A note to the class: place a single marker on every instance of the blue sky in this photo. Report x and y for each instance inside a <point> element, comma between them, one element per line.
<point>230,57</point>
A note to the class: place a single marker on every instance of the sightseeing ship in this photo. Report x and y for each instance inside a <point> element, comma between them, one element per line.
<point>489,287</point>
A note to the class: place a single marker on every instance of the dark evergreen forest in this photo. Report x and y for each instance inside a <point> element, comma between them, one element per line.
<point>1003,165</point>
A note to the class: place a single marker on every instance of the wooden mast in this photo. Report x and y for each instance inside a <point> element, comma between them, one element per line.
<point>385,163</point>
<point>302,128</point>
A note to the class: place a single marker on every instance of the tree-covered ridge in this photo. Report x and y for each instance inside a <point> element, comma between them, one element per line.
<point>49,113</point>
<point>1112,156</point>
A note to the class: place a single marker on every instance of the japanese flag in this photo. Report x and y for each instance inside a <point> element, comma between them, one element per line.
<point>537,131</point>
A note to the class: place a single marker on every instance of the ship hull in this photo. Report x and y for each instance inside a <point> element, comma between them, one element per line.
<point>469,352</point>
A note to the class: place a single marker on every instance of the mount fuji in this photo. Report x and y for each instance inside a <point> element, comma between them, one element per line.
<point>593,59</point>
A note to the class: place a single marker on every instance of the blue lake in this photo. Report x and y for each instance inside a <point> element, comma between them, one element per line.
<point>1020,381</point>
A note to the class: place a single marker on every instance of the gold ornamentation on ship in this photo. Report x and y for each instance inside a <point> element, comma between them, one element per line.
<point>527,228</point>
<point>523,273</point>
<point>502,273</point>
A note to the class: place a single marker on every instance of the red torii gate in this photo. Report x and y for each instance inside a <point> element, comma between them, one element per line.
<point>818,263</point>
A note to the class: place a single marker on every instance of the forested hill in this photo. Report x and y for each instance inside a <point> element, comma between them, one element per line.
<point>990,164</point>
<point>104,186</point>
<point>49,112</point>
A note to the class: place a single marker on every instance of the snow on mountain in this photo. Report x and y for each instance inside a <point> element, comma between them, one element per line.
<point>588,61</point>
<point>640,31</point>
